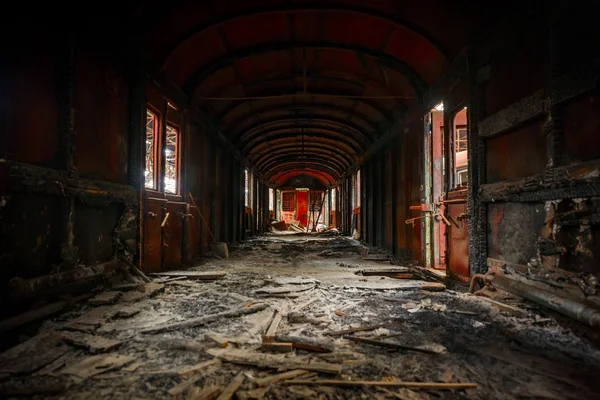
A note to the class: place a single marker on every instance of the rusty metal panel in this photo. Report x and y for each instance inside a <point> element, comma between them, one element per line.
<point>173,236</point>
<point>153,217</point>
<point>458,244</point>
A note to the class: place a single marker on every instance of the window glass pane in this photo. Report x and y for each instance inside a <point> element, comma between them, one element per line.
<point>151,128</point>
<point>171,161</point>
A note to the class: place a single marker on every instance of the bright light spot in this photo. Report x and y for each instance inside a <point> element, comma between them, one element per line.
<point>439,107</point>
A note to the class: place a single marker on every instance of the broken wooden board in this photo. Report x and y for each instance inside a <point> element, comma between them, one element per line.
<point>92,343</point>
<point>33,354</point>
<point>397,384</point>
<point>95,316</point>
<point>209,392</point>
<point>150,289</point>
<point>302,306</point>
<point>244,357</point>
<point>514,311</point>
<point>269,380</point>
<point>191,275</point>
<point>382,284</point>
<point>104,298</point>
<point>216,339</point>
<point>360,329</point>
<point>285,281</point>
<point>232,387</point>
<point>59,362</point>
<point>429,349</point>
<point>433,287</point>
<point>277,347</point>
<point>389,272</point>
<point>182,387</point>
<point>319,345</point>
<point>94,365</point>
<point>272,330</point>
<point>275,290</point>
<point>190,323</point>
<point>187,371</point>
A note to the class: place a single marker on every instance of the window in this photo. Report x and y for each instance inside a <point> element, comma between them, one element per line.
<point>151,134</point>
<point>271,200</point>
<point>246,188</point>
<point>461,139</point>
<point>171,160</point>
<point>333,199</point>
<point>356,190</point>
<point>288,201</point>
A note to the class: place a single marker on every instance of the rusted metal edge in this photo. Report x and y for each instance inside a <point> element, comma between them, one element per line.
<point>25,287</point>
<point>580,80</point>
<point>30,178</point>
<point>575,181</point>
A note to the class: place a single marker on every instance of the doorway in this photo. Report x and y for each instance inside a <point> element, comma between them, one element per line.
<point>444,218</point>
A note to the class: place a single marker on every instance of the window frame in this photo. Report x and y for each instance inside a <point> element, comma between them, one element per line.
<point>156,145</point>
<point>177,167</point>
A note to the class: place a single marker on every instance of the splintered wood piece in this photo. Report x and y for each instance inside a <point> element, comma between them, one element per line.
<point>217,339</point>
<point>195,368</point>
<point>276,347</point>
<point>304,305</point>
<point>417,385</point>
<point>257,394</point>
<point>232,387</point>
<point>359,329</point>
<point>514,311</point>
<point>208,393</point>
<point>269,337</point>
<point>93,343</point>
<point>433,287</point>
<point>190,323</point>
<point>396,346</point>
<point>94,365</point>
<point>245,357</point>
<point>309,344</point>
<point>202,276</point>
<point>182,387</point>
<point>59,362</point>
<point>150,289</point>
<point>280,377</point>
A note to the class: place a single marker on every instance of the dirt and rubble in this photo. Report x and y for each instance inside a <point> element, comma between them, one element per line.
<point>295,317</point>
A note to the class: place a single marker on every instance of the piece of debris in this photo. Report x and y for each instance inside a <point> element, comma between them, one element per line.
<point>232,387</point>
<point>246,357</point>
<point>302,306</point>
<point>104,298</point>
<point>150,290</point>
<point>216,339</point>
<point>280,377</point>
<point>514,311</point>
<point>303,392</point>
<point>433,287</point>
<point>204,320</point>
<point>272,330</point>
<point>191,275</point>
<point>97,364</point>
<point>277,347</point>
<point>360,329</point>
<point>422,349</point>
<point>416,385</point>
<point>209,392</point>
<point>59,362</point>
<point>299,318</point>
<point>287,290</point>
<point>187,371</point>
<point>182,387</point>
<point>340,313</point>
<point>92,343</point>
<point>322,345</point>
<point>425,304</point>
<point>257,394</point>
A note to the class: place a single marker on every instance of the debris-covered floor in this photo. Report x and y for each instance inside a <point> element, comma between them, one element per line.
<point>269,323</point>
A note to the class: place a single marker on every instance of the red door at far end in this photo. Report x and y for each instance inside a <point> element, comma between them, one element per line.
<point>302,207</point>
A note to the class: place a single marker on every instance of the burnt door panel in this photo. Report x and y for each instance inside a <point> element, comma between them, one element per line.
<point>458,243</point>
<point>153,217</point>
<point>173,236</point>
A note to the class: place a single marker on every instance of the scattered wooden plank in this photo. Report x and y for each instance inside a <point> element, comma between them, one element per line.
<point>126,287</point>
<point>191,275</point>
<point>278,347</point>
<point>182,387</point>
<point>392,345</point>
<point>92,343</point>
<point>359,329</point>
<point>269,336</point>
<point>257,394</point>
<point>190,323</point>
<point>59,362</point>
<point>150,289</point>
<point>33,354</point>
<point>304,305</point>
<point>280,377</point>
<point>207,393</point>
<point>232,387</point>
<point>94,365</point>
<point>433,287</point>
<point>317,345</point>
<point>104,298</point>
<point>514,311</point>
<point>217,339</point>
<point>244,357</point>
<point>417,385</point>
<point>284,289</point>
<point>187,371</point>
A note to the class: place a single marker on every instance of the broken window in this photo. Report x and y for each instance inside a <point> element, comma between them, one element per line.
<point>151,134</point>
<point>271,200</point>
<point>171,160</point>
<point>288,201</point>
<point>333,199</point>
<point>461,160</point>
<point>246,188</point>
<point>356,190</point>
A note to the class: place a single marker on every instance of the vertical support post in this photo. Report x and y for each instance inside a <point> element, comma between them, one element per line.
<point>476,209</point>
<point>553,128</point>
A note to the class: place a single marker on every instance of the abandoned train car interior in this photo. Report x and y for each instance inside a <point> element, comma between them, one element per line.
<point>300,199</point>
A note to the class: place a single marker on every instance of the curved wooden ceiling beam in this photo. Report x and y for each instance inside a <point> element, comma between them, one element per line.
<point>287,134</point>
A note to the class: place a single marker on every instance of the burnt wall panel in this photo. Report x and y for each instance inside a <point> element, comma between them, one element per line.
<point>582,127</point>
<point>93,229</point>
<point>102,116</point>
<point>513,230</point>
<point>29,98</point>
<point>33,228</point>
<point>516,154</point>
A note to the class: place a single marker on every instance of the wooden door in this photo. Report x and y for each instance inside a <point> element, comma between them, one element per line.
<point>302,207</point>
<point>458,242</point>
<point>154,214</point>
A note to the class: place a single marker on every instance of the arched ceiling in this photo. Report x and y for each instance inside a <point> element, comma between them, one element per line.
<point>306,87</point>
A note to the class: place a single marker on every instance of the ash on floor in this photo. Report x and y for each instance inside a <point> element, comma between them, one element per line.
<point>196,338</point>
